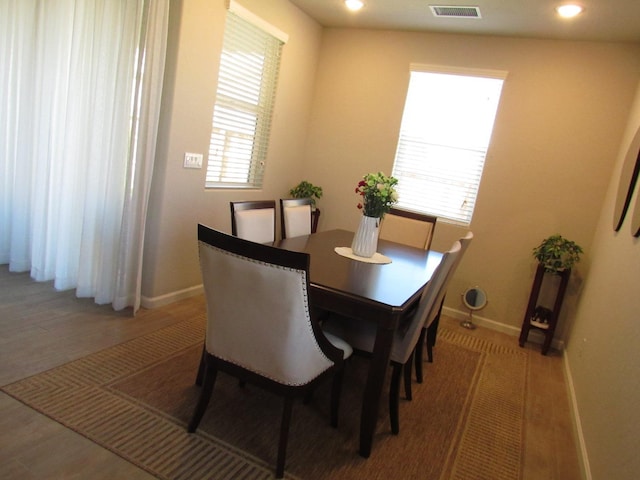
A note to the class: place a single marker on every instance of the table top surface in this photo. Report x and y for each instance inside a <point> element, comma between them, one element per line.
<point>396,284</point>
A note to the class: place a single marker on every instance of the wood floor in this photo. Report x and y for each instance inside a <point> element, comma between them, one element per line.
<point>41,328</point>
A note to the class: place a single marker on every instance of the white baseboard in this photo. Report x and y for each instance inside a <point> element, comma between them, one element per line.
<point>583,457</point>
<point>162,300</point>
<point>534,336</point>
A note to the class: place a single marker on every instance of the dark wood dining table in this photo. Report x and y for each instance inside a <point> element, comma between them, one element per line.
<point>380,293</point>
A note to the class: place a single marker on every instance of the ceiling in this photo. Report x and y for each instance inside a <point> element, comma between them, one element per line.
<point>602,20</point>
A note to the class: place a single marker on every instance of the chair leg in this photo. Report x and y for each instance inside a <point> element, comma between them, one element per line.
<point>308,396</point>
<point>284,435</point>
<point>407,377</point>
<point>429,350</point>
<point>202,367</point>
<point>432,333</point>
<point>394,398</point>
<point>336,391</point>
<point>418,354</point>
<point>210,375</point>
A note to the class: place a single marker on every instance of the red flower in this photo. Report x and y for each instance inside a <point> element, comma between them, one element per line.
<point>359,206</point>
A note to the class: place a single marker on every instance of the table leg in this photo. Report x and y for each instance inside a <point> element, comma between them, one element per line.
<point>378,366</point>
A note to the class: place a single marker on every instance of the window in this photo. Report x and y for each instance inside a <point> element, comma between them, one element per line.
<point>247,81</point>
<point>444,136</point>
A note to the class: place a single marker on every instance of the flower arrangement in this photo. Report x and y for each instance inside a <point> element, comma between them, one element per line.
<point>378,194</point>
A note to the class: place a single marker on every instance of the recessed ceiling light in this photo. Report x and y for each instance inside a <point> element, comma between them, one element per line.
<point>569,10</point>
<point>354,5</point>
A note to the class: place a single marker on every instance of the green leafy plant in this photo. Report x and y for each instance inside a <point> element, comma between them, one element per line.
<point>378,194</point>
<point>557,254</point>
<point>306,190</point>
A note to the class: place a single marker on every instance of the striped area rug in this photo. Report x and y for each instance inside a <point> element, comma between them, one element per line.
<point>492,432</point>
<point>465,421</point>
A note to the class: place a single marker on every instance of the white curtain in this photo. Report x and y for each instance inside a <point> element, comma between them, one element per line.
<point>80,86</point>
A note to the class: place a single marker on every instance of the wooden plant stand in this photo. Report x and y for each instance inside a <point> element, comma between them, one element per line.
<point>540,318</point>
<point>315,216</point>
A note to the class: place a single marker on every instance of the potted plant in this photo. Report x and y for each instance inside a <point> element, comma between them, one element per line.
<point>557,254</point>
<point>306,190</point>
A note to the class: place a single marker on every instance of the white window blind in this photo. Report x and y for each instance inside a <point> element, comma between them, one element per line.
<point>247,80</point>
<point>444,136</point>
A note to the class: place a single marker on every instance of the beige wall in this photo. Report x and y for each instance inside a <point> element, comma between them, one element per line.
<point>558,128</point>
<point>560,121</point>
<point>603,353</point>
<point>179,200</point>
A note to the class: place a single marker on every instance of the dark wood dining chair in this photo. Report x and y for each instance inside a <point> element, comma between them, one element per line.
<point>254,220</point>
<point>260,328</point>
<point>430,328</point>
<point>409,228</point>
<point>360,333</point>
<point>295,217</point>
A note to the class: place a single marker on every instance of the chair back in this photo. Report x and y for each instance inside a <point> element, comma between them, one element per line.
<point>295,217</point>
<point>410,228</point>
<point>429,302</point>
<point>254,220</point>
<point>258,314</point>
<point>464,244</point>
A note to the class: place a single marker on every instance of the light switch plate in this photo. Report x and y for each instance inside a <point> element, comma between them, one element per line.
<point>192,160</point>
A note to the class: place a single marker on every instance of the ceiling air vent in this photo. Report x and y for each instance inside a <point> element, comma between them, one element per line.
<point>455,11</point>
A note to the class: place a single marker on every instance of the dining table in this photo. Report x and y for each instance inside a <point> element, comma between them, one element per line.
<point>378,292</point>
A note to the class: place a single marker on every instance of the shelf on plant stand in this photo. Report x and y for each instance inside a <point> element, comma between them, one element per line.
<point>540,318</point>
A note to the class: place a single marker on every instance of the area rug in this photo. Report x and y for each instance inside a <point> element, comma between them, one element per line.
<point>466,420</point>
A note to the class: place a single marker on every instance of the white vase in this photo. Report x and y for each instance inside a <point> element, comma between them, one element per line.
<point>365,241</point>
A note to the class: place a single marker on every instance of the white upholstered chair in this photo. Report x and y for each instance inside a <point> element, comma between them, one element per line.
<point>260,328</point>
<point>361,333</point>
<point>254,220</point>
<point>409,228</point>
<point>295,217</point>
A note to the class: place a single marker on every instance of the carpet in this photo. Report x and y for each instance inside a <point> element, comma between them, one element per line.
<point>466,420</point>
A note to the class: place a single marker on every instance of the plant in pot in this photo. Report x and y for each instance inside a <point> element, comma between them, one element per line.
<point>557,254</point>
<point>308,190</point>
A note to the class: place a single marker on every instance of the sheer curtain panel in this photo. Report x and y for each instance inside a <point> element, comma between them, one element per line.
<point>80,88</point>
